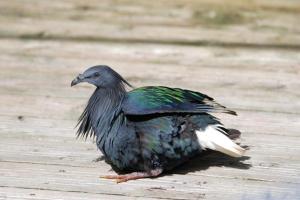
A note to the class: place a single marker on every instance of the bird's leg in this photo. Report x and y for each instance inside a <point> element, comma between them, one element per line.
<point>134,175</point>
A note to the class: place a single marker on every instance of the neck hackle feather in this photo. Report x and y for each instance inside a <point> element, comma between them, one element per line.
<point>101,110</point>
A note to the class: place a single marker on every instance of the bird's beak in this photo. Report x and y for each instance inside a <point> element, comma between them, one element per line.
<point>78,79</point>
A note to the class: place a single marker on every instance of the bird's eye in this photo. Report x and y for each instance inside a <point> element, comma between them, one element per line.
<point>96,74</point>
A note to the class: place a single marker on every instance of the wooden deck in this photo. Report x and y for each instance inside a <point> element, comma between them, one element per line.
<point>246,54</point>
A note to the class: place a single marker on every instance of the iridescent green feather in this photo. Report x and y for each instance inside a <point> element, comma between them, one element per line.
<point>159,99</point>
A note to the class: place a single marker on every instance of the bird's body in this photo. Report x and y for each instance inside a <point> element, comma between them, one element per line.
<point>151,129</point>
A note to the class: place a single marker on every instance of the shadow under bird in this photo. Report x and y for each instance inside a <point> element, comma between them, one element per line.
<point>152,129</point>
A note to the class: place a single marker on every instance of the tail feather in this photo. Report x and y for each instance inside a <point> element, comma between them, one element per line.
<point>213,138</point>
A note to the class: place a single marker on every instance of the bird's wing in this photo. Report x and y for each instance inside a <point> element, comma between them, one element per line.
<point>159,99</point>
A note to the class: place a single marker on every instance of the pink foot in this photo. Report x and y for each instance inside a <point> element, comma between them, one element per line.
<point>133,176</point>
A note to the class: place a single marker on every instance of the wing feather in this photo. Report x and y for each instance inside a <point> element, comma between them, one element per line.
<point>159,99</point>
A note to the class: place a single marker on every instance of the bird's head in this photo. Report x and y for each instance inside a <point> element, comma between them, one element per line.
<point>100,76</point>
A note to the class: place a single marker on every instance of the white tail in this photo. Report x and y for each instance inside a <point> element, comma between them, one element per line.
<point>213,138</point>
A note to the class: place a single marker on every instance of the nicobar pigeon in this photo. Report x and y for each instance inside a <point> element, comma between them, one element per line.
<point>152,129</point>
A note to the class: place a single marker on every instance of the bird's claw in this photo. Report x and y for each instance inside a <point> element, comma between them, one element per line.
<point>110,176</point>
<point>118,178</point>
<point>133,176</point>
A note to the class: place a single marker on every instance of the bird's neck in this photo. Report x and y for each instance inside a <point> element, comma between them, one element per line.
<point>106,107</point>
<point>101,112</point>
<point>106,117</point>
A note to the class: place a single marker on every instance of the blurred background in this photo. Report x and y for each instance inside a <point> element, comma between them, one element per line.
<point>244,53</point>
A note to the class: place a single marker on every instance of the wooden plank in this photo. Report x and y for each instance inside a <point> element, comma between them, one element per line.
<point>216,166</point>
<point>37,144</point>
<point>233,23</point>
<point>270,123</point>
<point>13,193</point>
<point>256,73</point>
<point>175,187</point>
<point>43,148</point>
<point>64,108</point>
<point>256,91</point>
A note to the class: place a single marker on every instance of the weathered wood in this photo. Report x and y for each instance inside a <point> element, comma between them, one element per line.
<point>231,23</point>
<point>185,186</point>
<point>60,151</point>
<point>245,54</point>
<point>8,193</point>
<point>39,123</point>
<point>41,127</point>
<point>214,71</point>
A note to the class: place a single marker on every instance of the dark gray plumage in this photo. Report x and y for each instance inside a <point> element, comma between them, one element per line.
<point>151,129</point>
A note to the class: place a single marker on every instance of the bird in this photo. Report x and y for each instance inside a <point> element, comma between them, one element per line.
<point>149,130</point>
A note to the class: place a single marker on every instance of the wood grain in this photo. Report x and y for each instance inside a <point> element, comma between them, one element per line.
<point>245,54</point>
<point>231,23</point>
